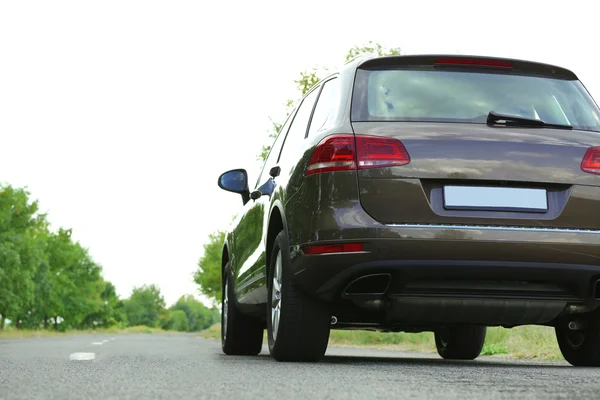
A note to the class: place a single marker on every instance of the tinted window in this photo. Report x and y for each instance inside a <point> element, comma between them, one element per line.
<point>328,101</point>
<point>297,133</point>
<point>273,155</point>
<point>450,96</point>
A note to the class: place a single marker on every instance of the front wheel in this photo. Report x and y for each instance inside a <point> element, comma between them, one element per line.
<point>460,342</point>
<point>581,346</point>
<point>297,326</point>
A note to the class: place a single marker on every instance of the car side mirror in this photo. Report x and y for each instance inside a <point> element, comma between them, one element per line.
<point>236,181</point>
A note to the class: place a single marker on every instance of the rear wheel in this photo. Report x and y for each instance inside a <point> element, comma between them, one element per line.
<point>460,342</point>
<point>581,346</point>
<point>297,326</point>
<point>240,334</point>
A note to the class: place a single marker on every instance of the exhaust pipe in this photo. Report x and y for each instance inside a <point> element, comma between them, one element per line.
<point>333,320</point>
<point>373,284</point>
<point>577,325</point>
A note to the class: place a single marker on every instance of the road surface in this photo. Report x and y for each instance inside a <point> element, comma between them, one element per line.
<point>182,366</point>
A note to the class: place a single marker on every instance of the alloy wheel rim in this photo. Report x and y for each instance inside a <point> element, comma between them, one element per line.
<point>276,295</point>
<point>225,310</point>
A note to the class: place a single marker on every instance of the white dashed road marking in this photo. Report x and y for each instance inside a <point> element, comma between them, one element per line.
<point>98,343</point>
<point>82,356</point>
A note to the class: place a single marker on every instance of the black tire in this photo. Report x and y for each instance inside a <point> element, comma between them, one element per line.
<point>581,348</point>
<point>460,342</point>
<point>303,330</point>
<point>240,334</point>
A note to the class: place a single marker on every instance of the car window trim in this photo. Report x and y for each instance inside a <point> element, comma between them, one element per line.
<point>281,132</point>
<point>319,87</point>
<point>331,78</point>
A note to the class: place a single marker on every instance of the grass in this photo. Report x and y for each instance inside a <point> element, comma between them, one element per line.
<point>526,342</point>
<point>11,333</point>
<point>214,332</point>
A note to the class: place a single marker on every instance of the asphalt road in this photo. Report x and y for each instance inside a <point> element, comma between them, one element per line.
<point>174,366</point>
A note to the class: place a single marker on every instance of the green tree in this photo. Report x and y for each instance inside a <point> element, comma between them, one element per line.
<point>46,277</point>
<point>110,308</point>
<point>145,306</point>
<point>76,284</point>
<point>372,48</point>
<point>21,252</point>
<point>208,275</point>
<point>198,315</point>
<point>112,312</point>
<point>178,321</point>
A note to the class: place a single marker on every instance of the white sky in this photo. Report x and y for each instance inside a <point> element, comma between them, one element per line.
<point>120,115</point>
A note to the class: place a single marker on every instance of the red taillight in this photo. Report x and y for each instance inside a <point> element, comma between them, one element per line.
<point>481,62</point>
<point>333,248</point>
<point>374,152</point>
<point>591,161</point>
<point>339,153</point>
<point>334,153</point>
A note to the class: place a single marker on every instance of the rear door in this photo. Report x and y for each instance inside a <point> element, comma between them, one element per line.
<point>464,171</point>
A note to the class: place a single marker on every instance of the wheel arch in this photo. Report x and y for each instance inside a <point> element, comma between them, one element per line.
<point>225,257</point>
<point>277,223</point>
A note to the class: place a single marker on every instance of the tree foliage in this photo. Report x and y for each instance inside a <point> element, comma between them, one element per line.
<point>372,48</point>
<point>46,277</point>
<point>145,306</point>
<point>47,280</point>
<point>20,251</point>
<point>197,315</point>
<point>208,275</point>
<point>178,321</point>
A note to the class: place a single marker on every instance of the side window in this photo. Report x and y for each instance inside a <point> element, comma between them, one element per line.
<point>275,150</point>
<point>297,133</point>
<point>328,100</point>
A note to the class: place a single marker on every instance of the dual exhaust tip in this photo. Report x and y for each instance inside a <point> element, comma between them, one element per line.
<point>378,284</point>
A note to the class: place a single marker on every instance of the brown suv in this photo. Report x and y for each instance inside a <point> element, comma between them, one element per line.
<point>422,193</point>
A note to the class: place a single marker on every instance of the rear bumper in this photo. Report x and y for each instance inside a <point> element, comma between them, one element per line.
<point>492,275</point>
<point>461,262</point>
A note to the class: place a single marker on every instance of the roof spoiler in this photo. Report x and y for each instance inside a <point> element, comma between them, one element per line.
<point>462,62</point>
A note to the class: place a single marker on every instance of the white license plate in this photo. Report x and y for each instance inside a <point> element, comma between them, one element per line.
<point>495,198</point>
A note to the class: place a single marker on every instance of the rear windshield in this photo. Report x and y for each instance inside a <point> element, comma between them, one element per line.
<point>451,96</point>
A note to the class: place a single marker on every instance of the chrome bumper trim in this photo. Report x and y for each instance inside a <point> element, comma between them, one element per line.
<point>495,228</point>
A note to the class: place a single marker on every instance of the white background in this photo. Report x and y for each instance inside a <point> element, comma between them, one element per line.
<point>119,115</point>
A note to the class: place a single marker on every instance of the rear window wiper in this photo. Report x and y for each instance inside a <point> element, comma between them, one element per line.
<point>513,120</point>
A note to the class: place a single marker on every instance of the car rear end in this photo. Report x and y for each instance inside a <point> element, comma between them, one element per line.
<point>432,212</point>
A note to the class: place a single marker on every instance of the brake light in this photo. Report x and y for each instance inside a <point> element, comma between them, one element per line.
<point>339,153</point>
<point>334,153</point>
<point>478,62</point>
<point>333,248</point>
<point>591,161</point>
<point>376,152</point>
